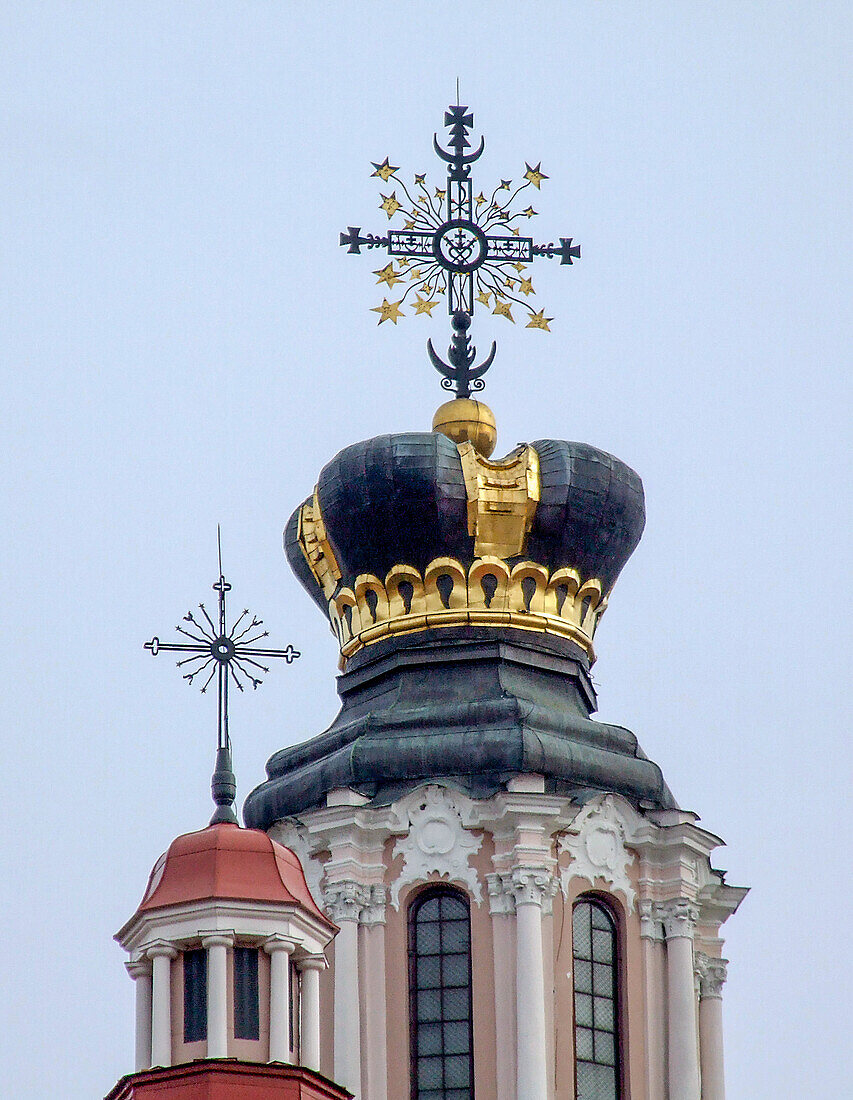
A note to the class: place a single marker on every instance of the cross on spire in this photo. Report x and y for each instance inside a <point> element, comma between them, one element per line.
<point>459,244</point>
<point>215,650</point>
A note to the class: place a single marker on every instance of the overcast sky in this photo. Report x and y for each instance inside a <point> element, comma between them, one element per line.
<point>183,343</point>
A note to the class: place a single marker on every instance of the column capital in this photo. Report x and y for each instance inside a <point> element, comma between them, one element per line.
<point>311,962</point>
<point>678,916</point>
<point>533,885</point>
<point>650,920</point>
<point>712,973</point>
<point>344,900</point>
<point>216,939</point>
<point>500,890</point>
<point>138,968</point>
<point>160,949</point>
<point>278,942</point>
<point>373,910</point>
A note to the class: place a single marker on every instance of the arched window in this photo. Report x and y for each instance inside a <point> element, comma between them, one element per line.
<point>596,988</point>
<point>440,996</point>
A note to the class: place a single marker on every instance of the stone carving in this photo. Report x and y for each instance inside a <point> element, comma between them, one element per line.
<point>501,896</point>
<point>650,920</point>
<point>373,911</point>
<point>679,918</point>
<point>533,886</point>
<point>711,974</point>
<point>437,842</point>
<point>346,899</point>
<point>596,844</point>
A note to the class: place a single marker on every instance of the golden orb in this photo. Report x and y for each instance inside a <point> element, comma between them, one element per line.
<point>464,419</point>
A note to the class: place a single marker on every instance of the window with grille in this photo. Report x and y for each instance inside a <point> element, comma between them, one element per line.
<point>440,996</point>
<point>246,1002</point>
<point>596,1001</point>
<point>195,995</point>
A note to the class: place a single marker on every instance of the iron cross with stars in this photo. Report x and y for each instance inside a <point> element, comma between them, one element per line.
<point>467,247</point>
<point>228,654</point>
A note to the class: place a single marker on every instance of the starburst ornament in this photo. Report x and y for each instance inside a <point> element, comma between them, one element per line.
<point>466,247</point>
<point>231,656</point>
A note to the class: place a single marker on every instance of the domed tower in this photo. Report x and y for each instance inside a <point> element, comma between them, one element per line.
<point>525,912</point>
<point>227,945</point>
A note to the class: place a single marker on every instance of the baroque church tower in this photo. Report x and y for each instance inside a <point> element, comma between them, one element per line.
<point>502,899</point>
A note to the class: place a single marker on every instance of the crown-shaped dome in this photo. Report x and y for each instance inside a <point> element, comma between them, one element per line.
<point>414,532</point>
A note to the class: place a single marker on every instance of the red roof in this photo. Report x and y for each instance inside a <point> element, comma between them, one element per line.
<point>227,1080</point>
<point>225,861</point>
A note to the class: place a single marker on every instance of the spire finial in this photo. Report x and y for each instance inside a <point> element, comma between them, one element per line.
<point>467,247</point>
<point>227,654</point>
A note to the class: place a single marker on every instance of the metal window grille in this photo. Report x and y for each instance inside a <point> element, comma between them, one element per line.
<point>195,995</point>
<point>246,1002</point>
<point>442,1062</point>
<point>596,1002</point>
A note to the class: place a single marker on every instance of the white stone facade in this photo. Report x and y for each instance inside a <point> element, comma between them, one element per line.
<point>522,857</point>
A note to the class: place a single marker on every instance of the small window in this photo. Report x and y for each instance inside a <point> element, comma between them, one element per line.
<point>596,1001</point>
<point>195,996</point>
<point>246,1019</point>
<point>295,993</point>
<point>440,996</point>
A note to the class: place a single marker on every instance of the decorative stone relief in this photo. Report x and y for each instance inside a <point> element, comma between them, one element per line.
<point>345,900</point>
<point>295,837</point>
<point>499,889</point>
<point>533,886</point>
<point>711,974</point>
<point>650,921</point>
<point>679,918</point>
<point>373,911</point>
<point>437,842</point>
<point>596,844</point>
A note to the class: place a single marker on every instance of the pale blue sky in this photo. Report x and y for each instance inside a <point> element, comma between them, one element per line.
<point>183,343</point>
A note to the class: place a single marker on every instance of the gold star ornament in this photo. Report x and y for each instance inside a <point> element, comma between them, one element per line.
<point>384,170</point>
<point>388,311</point>
<point>526,286</point>
<point>424,305</point>
<point>389,204</point>
<point>503,309</point>
<point>539,320</point>
<point>388,275</point>
<point>534,176</point>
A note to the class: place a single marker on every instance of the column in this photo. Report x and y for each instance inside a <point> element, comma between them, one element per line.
<point>502,910</point>
<point>309,1033</point>
<point>161,955</point>
<point>679,918</point>
<point>140,971</point>
<point>712,976</point>
<point>343,902</point>
<point>651,935</point>
<point>217,993</point>
<point>530,886</point>
<point>279,951</point>
<point>375,1027</point>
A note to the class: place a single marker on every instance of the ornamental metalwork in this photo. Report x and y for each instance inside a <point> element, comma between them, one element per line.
<point>468,248</point>
<point>231,656</point>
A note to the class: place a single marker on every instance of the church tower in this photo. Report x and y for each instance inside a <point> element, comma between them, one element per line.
<point>466,888</point>
<point>524,910</point>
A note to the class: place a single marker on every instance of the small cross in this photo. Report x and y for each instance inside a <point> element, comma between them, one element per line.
<point>215,650</point>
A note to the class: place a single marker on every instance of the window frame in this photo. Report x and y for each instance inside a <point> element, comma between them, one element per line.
<point>606,905</point>
<point>416,903</point>
<point>246,1012</point>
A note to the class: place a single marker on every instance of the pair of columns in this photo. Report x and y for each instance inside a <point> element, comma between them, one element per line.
<point>694,1041</point>
<point>152,974</point>
<point>352,905</point>
<point>527,891</point>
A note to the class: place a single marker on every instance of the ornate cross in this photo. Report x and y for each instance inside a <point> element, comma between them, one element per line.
<point>459,244</point>
<point>215,650</point>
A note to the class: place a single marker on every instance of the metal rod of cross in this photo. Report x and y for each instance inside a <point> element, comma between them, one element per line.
<point>464,246</point>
